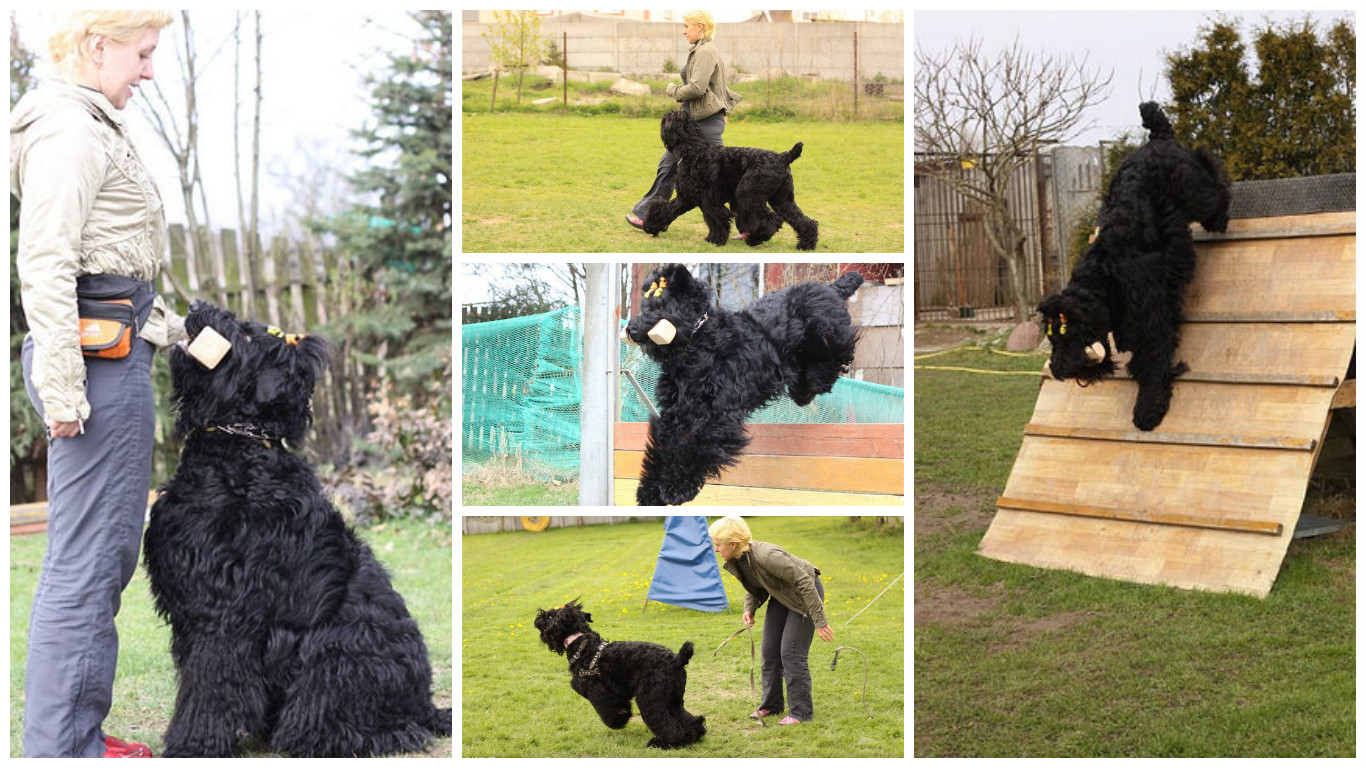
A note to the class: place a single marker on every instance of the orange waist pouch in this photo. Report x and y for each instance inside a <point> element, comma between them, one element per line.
<point>107,327</point>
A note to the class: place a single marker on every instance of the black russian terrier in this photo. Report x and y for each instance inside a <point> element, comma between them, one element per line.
<point>285,629</point>
<point>610,674</point>
<point>1131,279</point>
<point>719,366</point>
<point>710,176</point>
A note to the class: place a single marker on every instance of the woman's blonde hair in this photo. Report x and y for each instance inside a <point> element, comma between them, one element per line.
<point>68,45</point>
<point>731,530</point>
<point>702,19</point>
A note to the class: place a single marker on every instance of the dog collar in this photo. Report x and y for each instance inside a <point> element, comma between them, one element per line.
<point>248,430</point>
<point>702,320</point>
<point>572,638</point>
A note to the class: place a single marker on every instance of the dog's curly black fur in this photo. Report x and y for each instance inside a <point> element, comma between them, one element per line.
<point>710,176</point>
<point>1131,280</point>
<point>284,627</point>
<point>609,675</point>
<point>723,365</point>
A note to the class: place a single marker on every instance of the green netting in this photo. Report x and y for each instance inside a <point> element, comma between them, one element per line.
<point>521,392</point>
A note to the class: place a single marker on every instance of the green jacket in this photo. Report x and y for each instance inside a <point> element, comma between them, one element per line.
<point>785,577</point>
<point>705,92</point>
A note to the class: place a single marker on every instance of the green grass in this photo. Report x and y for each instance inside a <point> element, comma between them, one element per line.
<point>548,183</point>
<point>417,556</point>
<point>1019,661</point>
<point>515,693</point>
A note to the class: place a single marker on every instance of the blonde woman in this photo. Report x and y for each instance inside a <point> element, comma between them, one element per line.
<point>90,226</point>
<point>703,94</point>
<point>795,613</point>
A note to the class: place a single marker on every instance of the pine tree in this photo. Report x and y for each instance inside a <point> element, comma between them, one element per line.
<point>398,239</point>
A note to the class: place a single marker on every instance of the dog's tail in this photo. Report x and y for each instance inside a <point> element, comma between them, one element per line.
<point>440,722</point>
<point>794,153</point>
<point>846,285</point>
<point>1155,120</point>
<point>684,654</point>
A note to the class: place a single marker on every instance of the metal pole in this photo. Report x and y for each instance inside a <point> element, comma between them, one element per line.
<point>596,414</point>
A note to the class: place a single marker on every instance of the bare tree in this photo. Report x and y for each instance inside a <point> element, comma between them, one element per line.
<point>984,118</point>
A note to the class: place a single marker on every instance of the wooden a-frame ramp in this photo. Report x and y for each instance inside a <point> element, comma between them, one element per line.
<point>1208,500</point>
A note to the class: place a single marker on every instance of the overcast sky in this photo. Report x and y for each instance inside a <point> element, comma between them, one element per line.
<point>1133,43</point>
<point>315,61</point>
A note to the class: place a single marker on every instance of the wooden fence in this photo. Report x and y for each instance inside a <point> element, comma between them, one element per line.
<point>297,286</point>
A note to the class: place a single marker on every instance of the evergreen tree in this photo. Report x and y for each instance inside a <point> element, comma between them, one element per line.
<point>1294,116</point>
<point>398,239</point>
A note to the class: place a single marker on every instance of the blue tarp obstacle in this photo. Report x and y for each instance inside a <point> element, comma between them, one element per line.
<point>686,573</point>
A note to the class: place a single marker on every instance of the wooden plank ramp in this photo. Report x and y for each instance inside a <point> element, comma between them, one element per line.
<point>1209,499</point>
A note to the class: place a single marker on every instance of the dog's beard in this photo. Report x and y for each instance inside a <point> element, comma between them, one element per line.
<point>1069,364</point>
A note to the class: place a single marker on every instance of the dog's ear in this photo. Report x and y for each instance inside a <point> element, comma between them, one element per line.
<point>312,354</point>
<point>1052,306</point>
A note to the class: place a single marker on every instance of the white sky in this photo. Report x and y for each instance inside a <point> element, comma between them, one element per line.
<point>1133,43</point>
<point>314,64</point>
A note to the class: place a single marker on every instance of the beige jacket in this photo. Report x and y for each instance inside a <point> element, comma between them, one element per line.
<point>87,206</point>
<point>705,91</point>
<point>786,578</point>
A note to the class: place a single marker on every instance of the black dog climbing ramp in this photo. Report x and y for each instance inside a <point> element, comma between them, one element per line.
<point>1208,500</point>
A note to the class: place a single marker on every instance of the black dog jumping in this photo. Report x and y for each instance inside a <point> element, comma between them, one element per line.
<point>719,366</point>
<point>750,180</point>
<point>609,675</point>
<point>284,627</point>
<point>1131,280</point>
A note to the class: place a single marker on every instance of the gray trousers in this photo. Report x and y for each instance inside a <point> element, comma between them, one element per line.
<point>786,644</point>
<point>712,127</point>
<point>97,496</point>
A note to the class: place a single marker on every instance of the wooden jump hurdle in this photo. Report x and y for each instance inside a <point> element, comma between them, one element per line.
<point>1208,500</point>
<point>821,465</point>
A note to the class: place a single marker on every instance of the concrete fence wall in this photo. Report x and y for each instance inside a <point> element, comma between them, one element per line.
<point>823,50</point>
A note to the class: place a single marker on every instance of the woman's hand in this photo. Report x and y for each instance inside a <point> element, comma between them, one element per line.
<point>748,618</point>
<point>826,633</point>
<point>56,429</point>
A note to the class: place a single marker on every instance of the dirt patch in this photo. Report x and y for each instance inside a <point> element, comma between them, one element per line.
<point>952,605</point>
<point>941,510</point>
<point>932,337</point>
<point>1018,633</point>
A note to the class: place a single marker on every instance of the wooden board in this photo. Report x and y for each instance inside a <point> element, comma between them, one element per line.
<point>735,496</point>
<point>886,441</point>
<point>790,465</point>
<point>1209,500</point>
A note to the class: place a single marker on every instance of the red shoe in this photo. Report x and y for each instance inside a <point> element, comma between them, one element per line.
<point>120,748</point>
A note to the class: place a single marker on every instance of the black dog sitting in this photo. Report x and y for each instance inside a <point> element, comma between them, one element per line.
<point>284,626</point>
<point>711,176</point>
<point>1131,280</point>
<point>609,675</point>
<point>719,366</point>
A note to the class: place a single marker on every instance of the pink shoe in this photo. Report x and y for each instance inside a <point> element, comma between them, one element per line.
<point>760,713</point>
<point>789,720</point>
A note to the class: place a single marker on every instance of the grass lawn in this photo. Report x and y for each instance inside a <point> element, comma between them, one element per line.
<point>1018,661</point>
<point>516,699</point>
<point>548,183</point>
<point>417,556</point>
